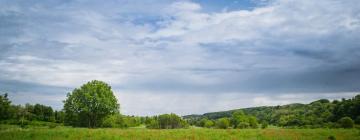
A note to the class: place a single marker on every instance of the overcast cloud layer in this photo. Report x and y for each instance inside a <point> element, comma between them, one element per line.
<point>181,56</point>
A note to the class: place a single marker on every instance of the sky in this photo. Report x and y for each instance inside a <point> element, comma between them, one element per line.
<point>184,56</point>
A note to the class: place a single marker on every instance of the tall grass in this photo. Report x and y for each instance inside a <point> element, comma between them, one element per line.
<point>8,132</point>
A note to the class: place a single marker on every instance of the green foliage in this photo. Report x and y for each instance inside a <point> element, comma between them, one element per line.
<point>113,121</point>
<point>253,122</point>
<point>90,104</point>
<point>202,122</point>
<point>152,123</point>
<point>347,108</point>
<point>59,116</point>
<point>131,121</point>
<point>24,115</point>
<point>242,125</point>
<point>209,124</point>
<point>240,120</point>
<point>264,125</point>
<point>357,120</point>
<point>318,114</point>
<point>346,122</point>
<point>53,125</point>
<point>166,121</point>
<point>94,105</point>
<point>331,138</point>
<point>4,107</point>
<point>41,112</point>
<point>222,123</point>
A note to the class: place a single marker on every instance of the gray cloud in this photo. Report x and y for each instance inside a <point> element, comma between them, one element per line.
<point>174,48</point>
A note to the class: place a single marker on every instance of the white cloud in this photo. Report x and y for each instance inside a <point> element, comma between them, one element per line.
<point>147,103</point>
<point>286,46</point>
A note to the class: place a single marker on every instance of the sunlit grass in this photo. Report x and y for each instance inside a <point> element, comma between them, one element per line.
<point>44,133</point>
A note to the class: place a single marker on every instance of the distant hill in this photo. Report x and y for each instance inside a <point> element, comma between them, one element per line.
<point>320,112</point>
<point>251,111</point>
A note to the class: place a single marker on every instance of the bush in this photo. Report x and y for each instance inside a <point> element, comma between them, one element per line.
<point>131,121</point>
<point>245,121</point>
<point>166,121</point>
<point>202,122</point>
<point>346,122</point>
<point>253,122</point>
<point>113,121</point>
<point>209,124</point>
<point>331,138</point>
<point>243,125</point>
<point>52,125</point>
<point>152,124</point>
<point>264,125</point>
<point>222,123</point>
<point>357,120</point>
<point>330,125</point>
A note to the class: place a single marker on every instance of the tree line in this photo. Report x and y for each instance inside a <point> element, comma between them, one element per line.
<point>94,105</point>
<point>23,115</point>
<point>344,113</point>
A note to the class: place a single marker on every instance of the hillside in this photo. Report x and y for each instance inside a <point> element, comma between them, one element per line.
<point>315,114</point>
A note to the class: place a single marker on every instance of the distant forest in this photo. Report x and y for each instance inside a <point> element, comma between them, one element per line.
<point>94,105</point>
<point>318,114</point>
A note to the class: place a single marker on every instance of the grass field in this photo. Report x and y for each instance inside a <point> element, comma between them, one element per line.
<point>8,132</point>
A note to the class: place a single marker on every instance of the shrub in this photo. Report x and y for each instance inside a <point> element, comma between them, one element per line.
<point>113,121</point>
<point>209,124</point>
<point>264,125</point>
<point>330,125</point>
<point>253,122</point>
<point>52,125</point>
<point>357,120</point>
<point>166,121</point>
<point>243,125</point>
<point>152,124</point>
<point>346,122</point>
<point>331,138</point>
<point>202,122</point>
<point>222,123</point>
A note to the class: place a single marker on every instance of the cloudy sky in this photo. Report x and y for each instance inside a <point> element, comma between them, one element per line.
<point>186,57</point>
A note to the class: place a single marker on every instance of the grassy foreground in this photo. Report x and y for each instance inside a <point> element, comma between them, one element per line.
<point>59,133</point>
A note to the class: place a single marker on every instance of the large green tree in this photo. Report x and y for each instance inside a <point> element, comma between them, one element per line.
<point>88,105</point>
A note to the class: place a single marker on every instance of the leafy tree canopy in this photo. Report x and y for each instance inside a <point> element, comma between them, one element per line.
<point>88,105</point>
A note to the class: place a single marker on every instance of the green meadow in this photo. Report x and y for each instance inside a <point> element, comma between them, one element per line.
<point>12,132</point>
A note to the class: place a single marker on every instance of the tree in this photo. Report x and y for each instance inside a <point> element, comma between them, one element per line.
<point>208,124</point>
<point>202,122</point>
<point>243,125</point>
<point>4,107</point>
<point>131,121</point>
<point>59,116</point>
<point>113,121</point>
<point>253,122</point>
<point>357,120</point>
<point>240,120</point>
<point>152,123</point>
<point>42,112</point>
<point>346,122</point>
<point>166,121</point>
<point>222,123</point>
<point>90,104</point>
<point>237,118</point>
